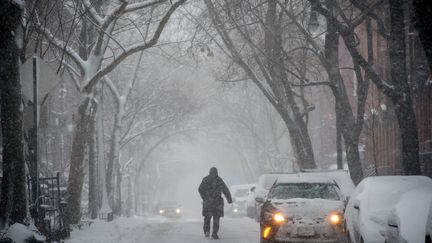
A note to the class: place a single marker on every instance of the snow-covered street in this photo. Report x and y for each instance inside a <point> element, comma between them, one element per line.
<point>163,230</point>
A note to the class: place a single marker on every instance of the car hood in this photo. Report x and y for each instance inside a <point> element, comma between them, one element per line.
<point>312,208</point>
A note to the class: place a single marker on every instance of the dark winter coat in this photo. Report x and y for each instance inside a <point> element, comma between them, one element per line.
<point>211,189</point>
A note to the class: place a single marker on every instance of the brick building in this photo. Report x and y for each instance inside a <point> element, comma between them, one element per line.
<point>380,138</point>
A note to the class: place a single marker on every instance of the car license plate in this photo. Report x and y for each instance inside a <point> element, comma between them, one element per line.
<point>305,231</point>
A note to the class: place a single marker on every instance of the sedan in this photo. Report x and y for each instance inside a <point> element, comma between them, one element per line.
<point>303,210</point>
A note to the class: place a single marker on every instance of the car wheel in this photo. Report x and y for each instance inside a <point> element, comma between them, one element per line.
<point>428,239</point>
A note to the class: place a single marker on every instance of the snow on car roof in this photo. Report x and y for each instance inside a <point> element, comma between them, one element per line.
<point>265,181</point>
<point>385,191</point>
<point>403,180</point>
<point>304,179</point>
<point>242,186</point>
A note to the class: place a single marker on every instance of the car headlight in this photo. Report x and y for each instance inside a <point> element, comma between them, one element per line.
<point>278,218</point>
<point>178,210</point>
<point>161,211</point>
<point>235,210</point>
<point>335,218</point>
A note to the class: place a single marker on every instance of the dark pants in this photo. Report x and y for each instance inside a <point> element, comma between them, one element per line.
<point>216,220</point>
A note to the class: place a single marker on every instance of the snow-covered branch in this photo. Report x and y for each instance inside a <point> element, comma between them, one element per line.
<point>93,14</point>
<point>142,5</point>
<point>143,132</point>
<point>89,84</point>
<point>113,88</point>
<point>62,46</point>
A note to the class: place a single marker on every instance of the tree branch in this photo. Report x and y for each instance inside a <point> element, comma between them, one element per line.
<point>136,48</point>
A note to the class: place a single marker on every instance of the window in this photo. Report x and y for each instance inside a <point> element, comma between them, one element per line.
<point>305,190</point>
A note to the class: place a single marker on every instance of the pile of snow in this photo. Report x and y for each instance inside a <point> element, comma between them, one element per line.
<point>20,233</point>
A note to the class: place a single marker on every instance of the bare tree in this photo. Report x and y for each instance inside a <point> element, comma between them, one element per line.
<point>397,89</point>
<point>258,47</point>
<point>13,203</point>
<point>87,70</point>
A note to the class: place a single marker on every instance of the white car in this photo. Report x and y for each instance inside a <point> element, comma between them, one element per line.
<point>406,222</point>
<point>370,204</point>
<point>240,195</point>
<point>302,209</point>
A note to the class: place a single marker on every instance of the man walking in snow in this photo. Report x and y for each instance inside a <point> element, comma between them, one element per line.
<point>211,189</point>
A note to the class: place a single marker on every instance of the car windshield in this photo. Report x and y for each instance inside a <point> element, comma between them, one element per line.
<point>267,181</point>
<point>168,204</point>
<point>305,190</point>
<point>241,193</point>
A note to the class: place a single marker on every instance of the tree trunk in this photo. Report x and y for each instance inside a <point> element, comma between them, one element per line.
<point>339,155</point>
<point>423,10</point>
<point>345,121</point>
<point>275,63</point>
<point>13,205</point>
<point>77,168</point>
<point>402,98</point>
<point>118,198</point>
<point>93,158</point>
<point>113,154</point>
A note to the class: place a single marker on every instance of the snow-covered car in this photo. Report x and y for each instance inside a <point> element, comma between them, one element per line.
<point>263,186</point>
<point>302,209</point>
<point>406,222</point>
<point>370,204</point>
<point>169,209</point>
<point>240,195</point>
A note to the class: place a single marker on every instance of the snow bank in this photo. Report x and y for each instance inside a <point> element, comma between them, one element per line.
<point>20,233</point>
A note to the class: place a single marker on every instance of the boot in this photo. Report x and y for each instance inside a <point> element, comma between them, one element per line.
<point>215,236</point>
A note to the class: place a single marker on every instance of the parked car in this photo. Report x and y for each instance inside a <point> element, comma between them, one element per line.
<point>170,209</point>
<point>302,209</point>
<point>239,194</point>
<point>406,222</point>
<point>340,177</point>
<point>370,204</point>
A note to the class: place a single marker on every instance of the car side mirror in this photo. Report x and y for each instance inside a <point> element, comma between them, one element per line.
<point>259,199</point>
<point>392,221</point>
<point>356,204</point>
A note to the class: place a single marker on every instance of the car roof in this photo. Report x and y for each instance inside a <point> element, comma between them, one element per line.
<point>242,186</point>
<point>304,179</point>
<point>402,180</point>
